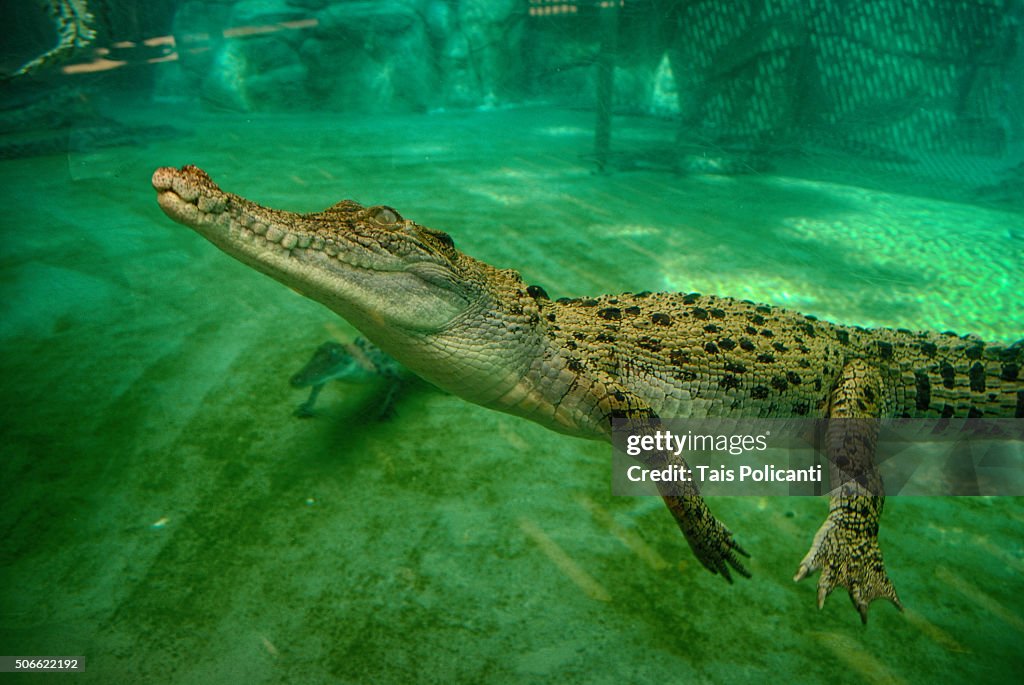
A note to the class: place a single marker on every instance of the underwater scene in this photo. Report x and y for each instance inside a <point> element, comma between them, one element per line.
<point>491,229</point>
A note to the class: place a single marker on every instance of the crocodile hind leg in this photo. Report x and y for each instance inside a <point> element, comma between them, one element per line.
<point>845,548</point>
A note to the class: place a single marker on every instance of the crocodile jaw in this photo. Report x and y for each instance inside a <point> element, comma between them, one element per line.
<point>404,286</point>
<point>384,294</point>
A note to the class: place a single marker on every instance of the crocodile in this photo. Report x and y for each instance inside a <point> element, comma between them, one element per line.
<point>579,365</point>
<point>359,361</point>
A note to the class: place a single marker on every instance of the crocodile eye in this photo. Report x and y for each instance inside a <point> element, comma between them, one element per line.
<point>384,216</point>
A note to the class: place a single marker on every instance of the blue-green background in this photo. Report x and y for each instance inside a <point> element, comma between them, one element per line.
<point>164,514</point>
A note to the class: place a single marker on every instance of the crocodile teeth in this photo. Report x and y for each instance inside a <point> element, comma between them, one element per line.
<point>247,235</point>
<point>274,234</point>
<point>289,241</point>
<point>318,243</point>
<point>259,228</point>
<point>331,248</point>
<point>304,241</point>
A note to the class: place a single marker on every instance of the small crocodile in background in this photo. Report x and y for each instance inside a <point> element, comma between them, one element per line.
<point>577,365</point>
<point>358,362</point>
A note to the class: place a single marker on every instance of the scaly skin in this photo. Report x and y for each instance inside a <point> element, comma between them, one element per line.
<point>575,365</point>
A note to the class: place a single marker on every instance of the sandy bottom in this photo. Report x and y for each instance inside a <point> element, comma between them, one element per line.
<point>166,516</point>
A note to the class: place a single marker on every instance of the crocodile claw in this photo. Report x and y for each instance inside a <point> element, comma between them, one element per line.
<point>716,549</point>
<point>850,559</point>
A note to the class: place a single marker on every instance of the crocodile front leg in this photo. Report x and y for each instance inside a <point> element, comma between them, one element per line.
<point>845,548</point>
<point>712,543</point>
<point>305,410</point>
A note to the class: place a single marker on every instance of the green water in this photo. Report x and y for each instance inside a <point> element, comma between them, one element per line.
<point>165,515</point>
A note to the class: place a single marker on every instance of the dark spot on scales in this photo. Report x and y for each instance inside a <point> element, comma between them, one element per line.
<point>648,343</point>
<point>1010,353</point>
<point>977,376</point>
<point>678,357</point>
<point>733,367</point>
<point>537,292</point>
<point>795,379</point>
<point>884,349</point>
<point>747,345</point>
<point>661,319</point>
<point>929,348</point>
<point>759,392</point>
<point>1019,414</point>
<point>605,338</point>
<point>699,313</point>
<point>766,358</point>
<point>727,344</point>
<point>610,313</point>
<point>718,313</point>
<point>947,411</point>
<point>588,303</point>
<point>973,413</point>
<point>711,328</point>
<point>800,408</point>
<point>974,352</point>
<point>711,348</point>
<point>729,382</point>
<point>843,337</point>
<point>1010,372</point>
<point>948,375</point>
<point>632,311</point>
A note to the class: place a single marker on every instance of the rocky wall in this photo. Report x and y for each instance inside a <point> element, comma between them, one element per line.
<point>362,55</point>
<point>882,76</point>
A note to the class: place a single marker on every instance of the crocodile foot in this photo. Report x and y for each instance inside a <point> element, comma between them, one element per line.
<point>713,545</point>
<point>304,411</point>
<point>848,557</point>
